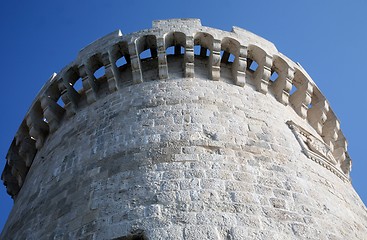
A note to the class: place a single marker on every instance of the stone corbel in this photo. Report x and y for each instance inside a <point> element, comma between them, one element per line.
<point>301,98</point>
<point>135,64</point>
<point>283,84</point>
<point>346,165</point>
<point>10,181</point>
<point>317,114</point>
<point>330,129</point>
<point>214,60</point>
<point>162,59</point>
<point>26,145</point>
<point>52,111</point>
<point>38,128</point>
<point>16,162</point>
<point>239,67</point>
<point>69,96</point>
<point>112,72</point>
<point>340,148</point>
<point>90,84</point>
<point>189,57</point>
<point>263,72</point>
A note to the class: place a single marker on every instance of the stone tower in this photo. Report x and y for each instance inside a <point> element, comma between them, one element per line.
<point>189,132</point>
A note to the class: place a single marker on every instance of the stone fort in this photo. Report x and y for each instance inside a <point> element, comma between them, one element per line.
<point>181,131</point>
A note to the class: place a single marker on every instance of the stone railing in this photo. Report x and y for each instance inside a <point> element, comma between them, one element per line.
<point>122,59</point>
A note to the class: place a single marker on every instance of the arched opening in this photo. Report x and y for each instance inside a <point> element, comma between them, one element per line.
<point>54,94</point>
<point>74,86</point>
<point>252,65</point>
<point>175,43</point>
<point>203,47</point>
<point>175,50</point>
<point>226,57</point>
<point>121,54</point>
<point>274,76</point>
<point>146,54</point>
<point>170,50</point>
<point>201,52</point>
<point>301,92</point>
<point>147,51</point>
<point>27,145</point>
<point>281,80</point>
<point>256,60</point>
<point>230,50</point>
<point>99,73</point>
<point>78,85</point>
<point>121,62</point>
<point>60,102</point>
<point>52,105</point>
<point>293,90</point>
<point>40,123</point>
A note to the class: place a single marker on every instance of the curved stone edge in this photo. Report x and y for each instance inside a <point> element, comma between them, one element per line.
<point>45,114</point>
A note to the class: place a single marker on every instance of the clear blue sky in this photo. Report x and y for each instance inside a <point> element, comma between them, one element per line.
<point>328,38</point>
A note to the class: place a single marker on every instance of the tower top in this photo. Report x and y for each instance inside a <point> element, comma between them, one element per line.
<point>253,62</point>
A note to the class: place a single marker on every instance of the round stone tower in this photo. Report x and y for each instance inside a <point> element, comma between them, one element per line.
<point>181,132</point>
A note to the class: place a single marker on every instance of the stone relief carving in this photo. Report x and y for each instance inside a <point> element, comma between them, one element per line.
<point>317,150</point>
<point>319,147</point>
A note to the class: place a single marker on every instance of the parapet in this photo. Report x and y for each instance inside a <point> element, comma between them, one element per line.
<point>252,60</point>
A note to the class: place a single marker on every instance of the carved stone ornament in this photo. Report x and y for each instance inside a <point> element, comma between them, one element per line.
<point>317,150</point>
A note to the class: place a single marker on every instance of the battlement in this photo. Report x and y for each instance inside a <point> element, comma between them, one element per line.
<point>239,57</point>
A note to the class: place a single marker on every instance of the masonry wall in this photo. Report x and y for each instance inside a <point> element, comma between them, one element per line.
<point>183,159</point>
<point>219,137</point>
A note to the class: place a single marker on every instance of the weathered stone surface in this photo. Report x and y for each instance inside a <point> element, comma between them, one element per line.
<point>202,152</point>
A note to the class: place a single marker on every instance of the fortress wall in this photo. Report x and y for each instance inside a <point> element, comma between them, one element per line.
<point>190,145</point>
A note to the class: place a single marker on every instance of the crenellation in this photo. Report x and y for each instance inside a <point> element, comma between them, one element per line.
<point>66,85</point>
<point>346,165</point>
<point>162,58</point>
<point>10,181</point>
<point>70,97</point>
<point>17,165</point>
<point>241,66</point>
<point>27,146</point>
<point>69,105</point>
<point>301,98</point>
<point>123,73</point>
<point>203,42</point>
<point>283,84</point>
<point>262,73</point>
<point>89,81</point>
<point>179,126</point>
<point>38,126</point>
<point>317,114</point>
<point>189,57</point>
<point>135,63</point>
<point>214,60</point>
<point>52,112</point>
<point>109,59</point>
<point>330,129</point>
<point>340,148</point>
<point>232,46</point>
<point>177,40</point>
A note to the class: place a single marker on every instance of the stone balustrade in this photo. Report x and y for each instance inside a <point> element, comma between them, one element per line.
<point>236,51</point>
